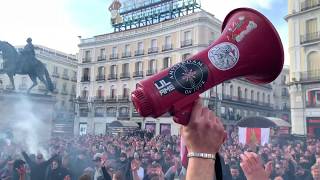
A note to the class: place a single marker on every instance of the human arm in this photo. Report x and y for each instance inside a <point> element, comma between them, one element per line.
<point>27,158</point>
<point>252,167</point>
<point>203,134</point>
<point>134,170</point>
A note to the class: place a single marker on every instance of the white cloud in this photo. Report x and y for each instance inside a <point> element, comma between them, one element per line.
<point>45,21</point>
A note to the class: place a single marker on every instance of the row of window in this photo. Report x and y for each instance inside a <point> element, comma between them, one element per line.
<point>123,111</point>
<point>113,71</point>
<point>87,57</point>
<point>65,74</point>
<point>242,95</point>
<point>230,113</point>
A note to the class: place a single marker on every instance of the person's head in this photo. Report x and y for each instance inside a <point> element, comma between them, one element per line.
<point>278,178</point>
<point>315,171</point>
<point>29,40</point>
<point>234,170</point>
<point>123,157</point>
<point>85,177</point>
<point>278,169</point>
<point>97,159</point>
<point>117,176</point>
<point>154,170</point>
<point>136,156</point>
<point>18,164</point>
<point>39,158</point>
<point>54,164</point>
<point>89,171</point>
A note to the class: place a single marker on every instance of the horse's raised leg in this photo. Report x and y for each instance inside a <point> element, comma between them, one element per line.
<point>44,82</point>
<point>12,81</point>
<point>34,80</point>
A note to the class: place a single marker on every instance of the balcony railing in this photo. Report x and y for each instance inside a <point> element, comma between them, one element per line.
<point>111,98</point>
<point>122,98</point>
<point>310,75</point>
<point>82,99</point>
<point>101,78</point>
<point>124,114</point>
<point>126,54</point>
<point>111,114</point>
<point>245,100</point>
<point>114,56</point>
<point>65,77</point>
<point>55,74</point>
<point>308,4</point>
<point>74,79</point>
<point>167,47</point>
<point>313,105</point>
<point>138,74</point>
<point>112,76</point>
<point>152,50</point>
<point>99,98</point>
<point>151,72</point>
<point>310,37</point>
<point>102,58</point>
<point>86,60</point>
<point>139,52</point>
<point>186,43</point>
<point>125,75</point>
<point>85,79</point>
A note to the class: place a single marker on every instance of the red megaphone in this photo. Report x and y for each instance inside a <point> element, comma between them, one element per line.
<point>249,47</point>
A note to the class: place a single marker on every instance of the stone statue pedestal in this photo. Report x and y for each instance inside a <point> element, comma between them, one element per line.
<point>27,116</point>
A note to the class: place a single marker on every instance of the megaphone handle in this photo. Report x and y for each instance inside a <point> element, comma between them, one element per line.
<point>183,117</point>
<point>182,110</point>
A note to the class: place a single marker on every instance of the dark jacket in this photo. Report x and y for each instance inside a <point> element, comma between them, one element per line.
<point>56,174</point>
<point>38,171</point>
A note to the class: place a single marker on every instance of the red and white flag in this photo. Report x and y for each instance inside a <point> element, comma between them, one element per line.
<point>254,135</point>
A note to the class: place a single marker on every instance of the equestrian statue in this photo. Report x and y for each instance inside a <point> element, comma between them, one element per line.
<point>24,63</point>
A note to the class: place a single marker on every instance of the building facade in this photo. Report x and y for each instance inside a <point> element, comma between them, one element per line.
<point>63,70</point>
<point>111,64</point>
<point>238,98</point>
<point>304,41</point>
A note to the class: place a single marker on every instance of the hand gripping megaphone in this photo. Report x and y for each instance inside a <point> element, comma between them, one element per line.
<point>248,47</point>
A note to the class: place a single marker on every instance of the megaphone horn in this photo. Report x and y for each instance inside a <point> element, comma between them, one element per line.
<point>248,47</point>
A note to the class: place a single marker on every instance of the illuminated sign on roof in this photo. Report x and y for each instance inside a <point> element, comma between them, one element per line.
<point>128,14</point>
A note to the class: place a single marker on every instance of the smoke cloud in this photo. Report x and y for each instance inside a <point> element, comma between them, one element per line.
<point>27,124</point>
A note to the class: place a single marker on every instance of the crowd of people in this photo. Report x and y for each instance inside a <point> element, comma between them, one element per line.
<point>141,155</point>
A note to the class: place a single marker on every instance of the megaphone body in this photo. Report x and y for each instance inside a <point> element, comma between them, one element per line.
<point>248,47</point>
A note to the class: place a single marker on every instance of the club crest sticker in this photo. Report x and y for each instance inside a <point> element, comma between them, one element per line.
<point>186,77</point>
<point>240,28</point>
<point>224,56</point>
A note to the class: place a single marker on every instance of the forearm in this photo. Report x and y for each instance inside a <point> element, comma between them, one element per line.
<point>135,175</point>
<point>200,169</point>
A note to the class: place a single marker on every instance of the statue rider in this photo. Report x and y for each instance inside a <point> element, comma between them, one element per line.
<point>28,54</point>
<point>28,49</point>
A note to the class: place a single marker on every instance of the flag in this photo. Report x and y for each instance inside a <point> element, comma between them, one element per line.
<point>254,135</point>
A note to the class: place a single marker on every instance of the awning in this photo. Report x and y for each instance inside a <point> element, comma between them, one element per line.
<point>262,122</point>
<point>279,122</point>
<point>123,124</point>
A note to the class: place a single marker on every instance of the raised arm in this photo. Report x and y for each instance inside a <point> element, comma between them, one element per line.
<point>203,137</point>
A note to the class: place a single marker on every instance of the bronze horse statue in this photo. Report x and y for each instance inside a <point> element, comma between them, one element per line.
<point>12,62</point>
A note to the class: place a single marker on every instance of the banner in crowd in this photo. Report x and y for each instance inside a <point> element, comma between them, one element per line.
<point>254,135</point>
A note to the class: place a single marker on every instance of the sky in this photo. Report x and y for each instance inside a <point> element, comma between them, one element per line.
<point>58,24</point>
